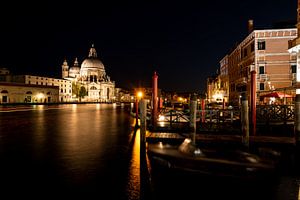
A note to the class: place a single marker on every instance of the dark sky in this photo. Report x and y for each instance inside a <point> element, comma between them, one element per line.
<point>182,40</point>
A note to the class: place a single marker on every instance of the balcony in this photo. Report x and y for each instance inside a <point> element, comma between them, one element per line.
<point>263,77</point>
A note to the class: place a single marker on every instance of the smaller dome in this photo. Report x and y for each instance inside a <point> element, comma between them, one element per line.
<point>75,70</point>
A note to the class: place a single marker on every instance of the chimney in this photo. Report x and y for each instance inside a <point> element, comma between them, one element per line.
<point>298,19</point>
<point>250,25</point>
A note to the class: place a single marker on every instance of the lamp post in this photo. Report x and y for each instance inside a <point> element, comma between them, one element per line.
<point>139,95</point>
<point>253,98</point>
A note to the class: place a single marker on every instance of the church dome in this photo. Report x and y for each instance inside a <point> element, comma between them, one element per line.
<point>75,70</point>
<point>92,62</point>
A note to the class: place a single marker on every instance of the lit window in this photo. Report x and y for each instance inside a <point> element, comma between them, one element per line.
<point>261,45</point>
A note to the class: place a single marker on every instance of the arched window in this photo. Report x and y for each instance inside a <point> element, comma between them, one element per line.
<point>4,92</point>
<point>28,92</point>
<point>93,88</point>
<point>48,93</point>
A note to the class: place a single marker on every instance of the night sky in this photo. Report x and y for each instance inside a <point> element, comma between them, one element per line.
<point>183,41</point>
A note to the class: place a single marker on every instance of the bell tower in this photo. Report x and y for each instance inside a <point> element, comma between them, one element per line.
<point>65,69</point>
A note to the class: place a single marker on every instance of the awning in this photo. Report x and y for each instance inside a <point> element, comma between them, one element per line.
<point>277,95</point>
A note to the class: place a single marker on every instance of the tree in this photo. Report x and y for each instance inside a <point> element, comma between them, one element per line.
<point>82,92</point>
<point>75,89</point>
<point>78,90</point>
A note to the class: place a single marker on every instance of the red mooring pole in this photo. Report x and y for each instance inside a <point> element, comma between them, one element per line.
<point>203,110</point>
<point>154,96</point>
<point>253,101</point>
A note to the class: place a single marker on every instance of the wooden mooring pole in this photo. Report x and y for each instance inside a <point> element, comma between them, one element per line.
<point>193,117</point>
<point>136,112</point>
<point>245,120</point>
<point>253,101</point>
<point>143,126</point>
<point>144,175</point>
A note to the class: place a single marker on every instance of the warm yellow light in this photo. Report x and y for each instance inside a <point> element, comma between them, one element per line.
<point>218,97</point>
<point>140,94</point>
<point>40,95</point>
<point>180,99</point>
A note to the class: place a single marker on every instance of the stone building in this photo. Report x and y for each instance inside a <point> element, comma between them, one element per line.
<point>24,93</point>
<point>91,78</point>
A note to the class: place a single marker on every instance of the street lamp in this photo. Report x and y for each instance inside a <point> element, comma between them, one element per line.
<point>139,95</point>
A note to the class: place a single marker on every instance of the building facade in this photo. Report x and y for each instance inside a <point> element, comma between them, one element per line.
<point>218,85</point>
<point>266,53</point>
<point>24,93</point>
<point>294,50</point>
<point>64,86</point>
<point>89,81</point>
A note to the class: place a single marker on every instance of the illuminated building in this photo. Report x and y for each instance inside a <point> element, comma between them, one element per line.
<point>265,52</point>
<point>90,77</point>
<point>294,49</point>
<point>24,93</point>
<point>64,86</point>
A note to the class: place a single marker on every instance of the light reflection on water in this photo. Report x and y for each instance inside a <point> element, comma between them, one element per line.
<point>74,149</point>
<point>133,186</point>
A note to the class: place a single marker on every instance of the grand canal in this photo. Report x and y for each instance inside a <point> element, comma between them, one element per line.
<point>68,150</point>
<point>91,151</point>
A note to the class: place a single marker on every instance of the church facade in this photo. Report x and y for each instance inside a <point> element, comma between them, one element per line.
<point>89,80</point>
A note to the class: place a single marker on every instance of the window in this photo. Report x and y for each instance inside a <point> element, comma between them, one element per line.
<point>261,69</point>
<point>245,52</point>
<point>294,68</point>
<point>93,88</point>
<point>252,46</point>
<point>261,45</point>
<point>4,99</point>
<point>261,86</point>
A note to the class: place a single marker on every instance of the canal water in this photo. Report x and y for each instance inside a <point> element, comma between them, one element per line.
<point>91,151</point>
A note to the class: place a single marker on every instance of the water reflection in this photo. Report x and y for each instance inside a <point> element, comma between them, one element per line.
<point>74,149</point>
<point>83,141</point>
<point>133,186</point>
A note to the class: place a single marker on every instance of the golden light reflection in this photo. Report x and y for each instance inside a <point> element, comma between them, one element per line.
<point>161,145</point>
<point>98,106</point>
<point>133,186</point>
<point>40,107</point>
<point>74,107</point>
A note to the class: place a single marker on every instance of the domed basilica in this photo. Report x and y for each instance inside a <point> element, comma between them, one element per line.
<point>89,82</point>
